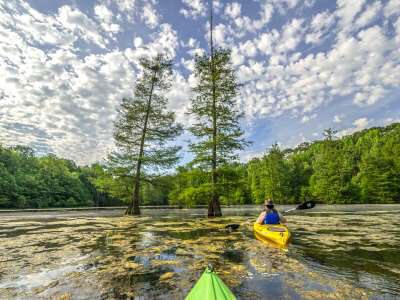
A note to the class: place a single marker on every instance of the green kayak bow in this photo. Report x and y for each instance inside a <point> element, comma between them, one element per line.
<point>210,287</point>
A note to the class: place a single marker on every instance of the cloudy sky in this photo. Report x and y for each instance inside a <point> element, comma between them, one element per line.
<point>305,66</point>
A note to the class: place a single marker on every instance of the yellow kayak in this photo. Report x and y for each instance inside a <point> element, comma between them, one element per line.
<point>276,234</point>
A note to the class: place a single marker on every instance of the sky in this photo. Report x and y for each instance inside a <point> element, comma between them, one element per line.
<point>305,66</point>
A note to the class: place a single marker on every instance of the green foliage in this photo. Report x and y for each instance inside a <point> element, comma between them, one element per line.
<point>216,125</point>
<point>214,109</point>
<point>276,175</point>
<point>27,181</point>
<point>190,186</point>
<point>143,129</point>
<point>359,168</point>
<point>379,174</point>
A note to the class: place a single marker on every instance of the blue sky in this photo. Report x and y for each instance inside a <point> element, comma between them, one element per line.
<point>305,66</point>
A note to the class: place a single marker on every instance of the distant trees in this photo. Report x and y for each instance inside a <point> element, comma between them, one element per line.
<point>144,127</point>
<point>276,175</point>
<point>360,168</point>
<point>378,177</point>
<point>27,181</point>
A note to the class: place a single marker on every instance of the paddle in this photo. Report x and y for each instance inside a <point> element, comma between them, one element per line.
<point>305,205</point>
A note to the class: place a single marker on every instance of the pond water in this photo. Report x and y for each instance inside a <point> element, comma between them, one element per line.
<point>348,252</point>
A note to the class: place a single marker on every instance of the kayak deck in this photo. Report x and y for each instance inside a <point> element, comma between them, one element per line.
<point>277,234</point>
<point>210,287</point>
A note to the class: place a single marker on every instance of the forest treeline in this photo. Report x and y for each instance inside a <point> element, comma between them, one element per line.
<point>360,168</point>
<point>27,181</point>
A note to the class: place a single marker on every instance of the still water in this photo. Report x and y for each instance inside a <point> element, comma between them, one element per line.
<point>348,252</point>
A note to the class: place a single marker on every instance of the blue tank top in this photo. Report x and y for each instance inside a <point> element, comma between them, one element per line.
<point>271,218</point>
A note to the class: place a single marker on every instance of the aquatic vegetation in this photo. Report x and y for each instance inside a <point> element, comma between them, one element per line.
<point>332,256</point>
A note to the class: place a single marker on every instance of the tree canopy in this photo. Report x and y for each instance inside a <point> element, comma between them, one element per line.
<point>144,127</point>
<point>360,168</point>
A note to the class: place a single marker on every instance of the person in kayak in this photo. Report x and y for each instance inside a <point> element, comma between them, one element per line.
<point>270,215</point>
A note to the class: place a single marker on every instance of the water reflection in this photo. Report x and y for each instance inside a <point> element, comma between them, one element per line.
<point>333,255</point>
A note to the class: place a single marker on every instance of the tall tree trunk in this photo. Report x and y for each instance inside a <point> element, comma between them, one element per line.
<point>214,208</point>
<point>133,208</point>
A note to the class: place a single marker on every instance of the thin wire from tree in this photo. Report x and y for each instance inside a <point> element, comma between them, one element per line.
<point>217,118</point>
<point>214,208</point>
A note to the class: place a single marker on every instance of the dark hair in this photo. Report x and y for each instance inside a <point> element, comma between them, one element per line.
<point>269,208</point>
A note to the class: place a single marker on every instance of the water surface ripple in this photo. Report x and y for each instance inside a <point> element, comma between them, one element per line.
<point>336,253</point>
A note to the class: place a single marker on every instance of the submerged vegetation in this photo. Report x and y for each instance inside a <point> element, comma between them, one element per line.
<point>161,256</point>
<point>360,168</point>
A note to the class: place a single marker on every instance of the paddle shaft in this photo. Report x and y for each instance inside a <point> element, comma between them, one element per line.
<point>305,205</point>
<point>290,210</point>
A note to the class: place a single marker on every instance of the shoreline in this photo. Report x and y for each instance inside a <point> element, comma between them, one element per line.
<point>246,206</point>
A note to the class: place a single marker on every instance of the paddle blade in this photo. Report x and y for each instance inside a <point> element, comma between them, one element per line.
<point>306,205</point>
<point>232,226</point>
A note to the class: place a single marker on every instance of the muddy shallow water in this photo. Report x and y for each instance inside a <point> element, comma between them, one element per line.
<point>336,253</point>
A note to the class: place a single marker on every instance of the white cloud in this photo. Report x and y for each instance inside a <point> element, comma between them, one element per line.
<point>219,35</point>
<point>150,15</point>
<point>392,8</point>
<point>369,14</point>
<point>58,98</point>
<point>248,48</point>
<point>236,57</point>
<point>358,124</point>
<point>360,68</point>
<point>233,9</point>
<point>105,17</point>
<point>307,118</point>
<point>309,3</point>
<point>125,9</point>
<point>284,5</point>
<point>347,11</point>
<point>321,25</point>
<point>361,123</point>
<point>218,6</point>
<point>239,25</point>
<point>21,23</point>
<point>164,41</point>
<point>337,119</point>
<point>137,42</point>
<point>193,8</point>
<point>67,103</point>
<point>389,121</point>
<point>125,5</point>
<point>103,13</point>
<point>194,49</point>
<point>196,52</point>
<point>179,97</point>
<point>67,96</point>
<point>192,43</point>
<point>291,36</point>
<point>81,25</point>
<point>267,42</point>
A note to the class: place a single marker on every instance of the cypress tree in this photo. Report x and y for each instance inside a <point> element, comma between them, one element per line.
<point>216,116</point>
<point>144,127</point>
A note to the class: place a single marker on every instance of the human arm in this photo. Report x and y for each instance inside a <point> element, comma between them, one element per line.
<point>261,218</point>
<point>282,219</point>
